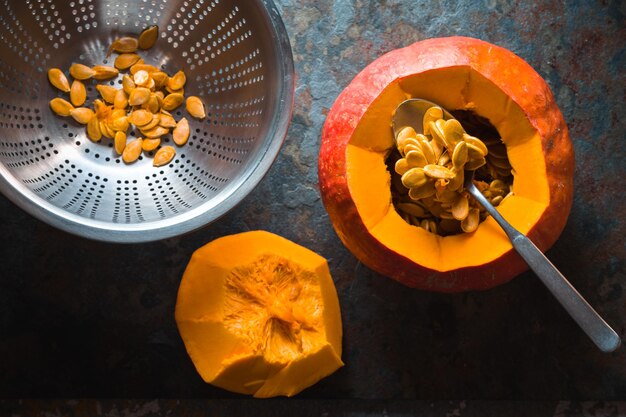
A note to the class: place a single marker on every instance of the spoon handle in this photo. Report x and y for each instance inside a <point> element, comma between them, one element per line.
<point>587,318</point>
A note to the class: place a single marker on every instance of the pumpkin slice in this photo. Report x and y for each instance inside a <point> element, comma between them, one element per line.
<point>259,315</point>
<point>459,74</point>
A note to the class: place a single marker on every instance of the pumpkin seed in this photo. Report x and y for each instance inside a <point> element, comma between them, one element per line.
<point>125,61</point>
<point>141,66</point>
<point>155,132</point>
<point>119,142</point>
<point>452,132</point>
<point>426,149</point>
<point>438,149</point>
<point>443,159</point>
<point>121,124</point>
<point>81,72</point>
<point>139,96</point>
<point>498,186</point>
<point>403,143</point>
<point>61,106</point>
<point>123,45</point>
<point>460,207</point>
<point>412,209</point>
<point>436,130</point>
<point>152,104</point>
<point>411,147</point>
<point>423,191</point>
<point>128,84</point>
<point>103,111</point>
<point>414,177</point>
<point>497,200</point>
<point>172,101</point>
<point>432,114</point>
<point>167,121</point>
<point>195,107</point>
<point>148,37</point>
<point>160,79</point>
<point>82,115</point>
<point>180,134</point>
<point>459,156</point>
<point>474,152</point>
<point>476,142</point>
<point>153,123</point>
<point>104,72</point>
<point>401,166</point>
<point>150,144</point>
<point>93,129</point>
<point>116,113</point>
<point>120,100</point>
<point>405,133</point>
<point>470,223</point>
<point>177,81</point>
<point>132,151</point>
<point>107,92</point>
<point>141,78</point>
<point>58,79</point>
<point>106,129</point>
<point>172,91</point>
<point>438,171</point>
<point>432,226</point>
<point>415,158</point>
<point>78,93</point>
<point>164,156</point>
<point>140,117</point>
<point>456,182</point>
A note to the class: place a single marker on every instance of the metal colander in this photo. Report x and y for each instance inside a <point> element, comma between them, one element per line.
<point>236,56</point>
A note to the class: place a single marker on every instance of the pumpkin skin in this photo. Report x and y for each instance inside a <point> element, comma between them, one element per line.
<point>458,73</point>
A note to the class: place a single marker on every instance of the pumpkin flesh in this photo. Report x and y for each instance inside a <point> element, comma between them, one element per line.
<point>259,315</point>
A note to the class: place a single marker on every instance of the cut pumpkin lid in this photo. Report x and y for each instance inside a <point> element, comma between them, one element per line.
<point>259,315</point>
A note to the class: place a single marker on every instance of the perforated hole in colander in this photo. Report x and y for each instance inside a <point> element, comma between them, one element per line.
<point>236,57</point>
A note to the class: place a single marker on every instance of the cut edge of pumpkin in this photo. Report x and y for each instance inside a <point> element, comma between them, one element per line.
<point>455,88</point>
<point>231,358</point>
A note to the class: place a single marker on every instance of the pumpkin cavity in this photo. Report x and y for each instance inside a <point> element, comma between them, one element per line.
<point>441,206</point>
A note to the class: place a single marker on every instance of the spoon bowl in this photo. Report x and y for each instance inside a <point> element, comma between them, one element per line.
<point>410,113</point>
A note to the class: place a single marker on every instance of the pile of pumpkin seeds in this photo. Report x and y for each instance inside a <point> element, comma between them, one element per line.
<point>429,185</point>
<point>145,101</point>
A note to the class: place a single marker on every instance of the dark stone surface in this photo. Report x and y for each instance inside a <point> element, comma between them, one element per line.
<point>310,408</point>
<point>86,319</point>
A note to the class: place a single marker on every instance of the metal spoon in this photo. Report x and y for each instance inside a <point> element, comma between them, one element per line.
<point>411,113</point>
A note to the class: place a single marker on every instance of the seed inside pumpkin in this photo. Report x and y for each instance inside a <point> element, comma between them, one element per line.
<point>431,166</point>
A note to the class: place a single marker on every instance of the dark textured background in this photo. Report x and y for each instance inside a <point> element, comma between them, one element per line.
<point>80,318</point>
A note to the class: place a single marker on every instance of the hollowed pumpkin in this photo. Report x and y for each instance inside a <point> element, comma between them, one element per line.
<point>259,315</point>
<point>460,74</point>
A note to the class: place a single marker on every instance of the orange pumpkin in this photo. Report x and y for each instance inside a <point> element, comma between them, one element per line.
<point>458,73</point>
<point>259,315</point>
